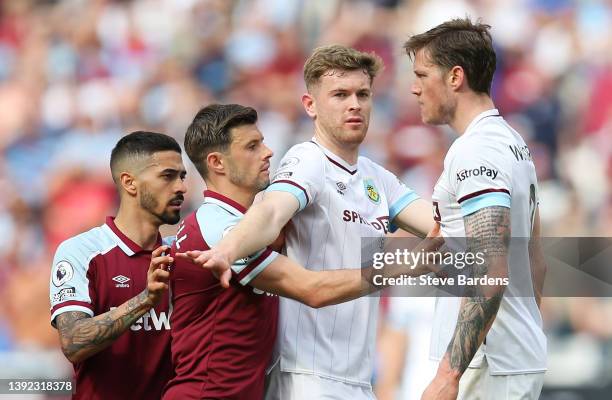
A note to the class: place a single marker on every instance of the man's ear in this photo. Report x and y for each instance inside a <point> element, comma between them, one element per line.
<point>215,162</point>
<point>309,105</point>
<point>456,77</point>
<point>128,183</point>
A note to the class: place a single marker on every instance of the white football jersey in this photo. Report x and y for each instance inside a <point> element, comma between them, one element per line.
<point>339,205</point>
<point>490,165</point>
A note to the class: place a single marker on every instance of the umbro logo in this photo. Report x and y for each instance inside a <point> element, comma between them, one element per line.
<point>121,281</point>
<point>341,187</point>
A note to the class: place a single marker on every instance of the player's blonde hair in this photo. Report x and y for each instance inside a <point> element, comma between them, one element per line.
<point>337,57</point>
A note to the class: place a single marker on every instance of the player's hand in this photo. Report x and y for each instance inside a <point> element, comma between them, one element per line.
<point>158,275</point>
<point>434,239</point>
<point>430,246</point>
<point>445,385</point>
<point>215,261</point>
<point>441,389</point>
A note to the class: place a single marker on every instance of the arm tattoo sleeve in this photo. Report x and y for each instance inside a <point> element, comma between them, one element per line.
<point>82,336</point>
<point>487,231</point>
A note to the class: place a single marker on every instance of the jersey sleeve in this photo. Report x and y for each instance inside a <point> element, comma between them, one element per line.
<point>244,270</point>
<point>69,284</point>
<point>481,177</point>
<point>214,226</point>
<point>301,173</point>
<point>399,196</point>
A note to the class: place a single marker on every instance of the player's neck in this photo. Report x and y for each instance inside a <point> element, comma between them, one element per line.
<point>138,225</point>
<point>242,196</point>
<point>468,108</point>
<point>347,152</point>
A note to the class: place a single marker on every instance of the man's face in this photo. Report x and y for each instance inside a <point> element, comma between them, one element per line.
<point>433,94</point>
<point>161,186</point>
<point>342,101</point>
<point>248,159</point>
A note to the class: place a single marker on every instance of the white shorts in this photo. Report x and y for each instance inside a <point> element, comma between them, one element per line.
<point>293,386</point>
<point>479,384</point>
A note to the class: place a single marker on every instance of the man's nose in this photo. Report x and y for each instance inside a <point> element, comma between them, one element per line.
<point>354,103</point>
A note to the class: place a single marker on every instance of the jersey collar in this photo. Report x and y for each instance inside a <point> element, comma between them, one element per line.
<point>486,114</point>
<point>337,161</point>
<point>126,244</point>
<point>224,202</point>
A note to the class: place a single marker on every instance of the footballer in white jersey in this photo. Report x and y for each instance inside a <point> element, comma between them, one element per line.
<point>490,165</point>
<point>486,201</point>
<point>339,205</point>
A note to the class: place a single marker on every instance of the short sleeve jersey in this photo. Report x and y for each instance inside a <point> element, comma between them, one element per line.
<point>490,165</point>
<point>93,273</point>
<point>222,339</point>
<point>339,205</point>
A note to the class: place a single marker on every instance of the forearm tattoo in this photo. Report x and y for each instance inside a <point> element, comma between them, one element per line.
<point>487,231</point>
<point>80,333</point>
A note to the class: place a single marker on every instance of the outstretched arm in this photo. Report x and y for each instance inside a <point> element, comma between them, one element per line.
<point>287,278</point>
<point>82,336</point>
<point>487,232</point>
<point>415,218</point>
<point>260,227</point>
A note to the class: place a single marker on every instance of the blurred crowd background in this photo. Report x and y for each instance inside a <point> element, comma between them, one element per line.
<point>76,75</point>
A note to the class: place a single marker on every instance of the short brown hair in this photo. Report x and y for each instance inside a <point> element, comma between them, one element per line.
<point>459,42</point>
<point>338,57</point>
<point>210,131</point>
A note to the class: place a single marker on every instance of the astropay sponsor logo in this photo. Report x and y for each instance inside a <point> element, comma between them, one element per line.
<point>122,281</point>
<point>479,171</point>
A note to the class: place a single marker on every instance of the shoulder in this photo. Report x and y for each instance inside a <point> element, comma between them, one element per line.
<point>303,163</point>
<point>373,169</point>
<point>211,213</point>
<point>84,246</point>
<point>214,222</point>
<point>305,147</point>
<point>494,134</point>
<point>306,152</point>
<point>488,144</point>
<point>365,162</point>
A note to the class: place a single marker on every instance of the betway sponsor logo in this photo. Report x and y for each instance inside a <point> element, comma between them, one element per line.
<point>380,224</point>
<point>151,321</point>
<point>480,171</point>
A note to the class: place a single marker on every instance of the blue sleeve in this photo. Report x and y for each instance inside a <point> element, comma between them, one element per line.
<point>397,207</point>
<point>293,188</point>
<point>488,199</point>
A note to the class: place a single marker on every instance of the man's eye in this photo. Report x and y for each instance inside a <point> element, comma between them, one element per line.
<point>340,95</point>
